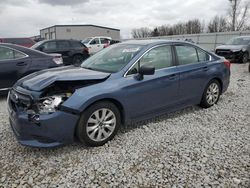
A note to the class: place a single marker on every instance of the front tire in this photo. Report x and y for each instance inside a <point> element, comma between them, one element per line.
<point>211,94</point>
<point>98,124</point>
<point>245,57</point>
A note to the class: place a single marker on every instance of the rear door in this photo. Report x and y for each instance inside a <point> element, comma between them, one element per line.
<point>193,69</point>
<point>94,46</point>
<point>12,64</point>
<point>64,48</point>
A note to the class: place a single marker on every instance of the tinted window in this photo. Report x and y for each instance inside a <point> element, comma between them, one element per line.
<point>50,45</point>
<point>186,55</point>
<point>95,41</point>
<point>203,56</point>
<point>62,44</point>
<point>77,44</point>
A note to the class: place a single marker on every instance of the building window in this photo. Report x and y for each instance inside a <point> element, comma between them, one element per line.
<point>68,30</point>
<point>108,31</point>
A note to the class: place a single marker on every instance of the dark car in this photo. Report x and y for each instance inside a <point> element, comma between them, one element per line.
<point>73,51</point>
<point>26,42</point>
<point>123,83</point>
<point>17,61</point>
<point>236,50</point>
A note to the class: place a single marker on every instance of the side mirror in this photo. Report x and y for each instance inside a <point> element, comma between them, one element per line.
<point>145,70</point>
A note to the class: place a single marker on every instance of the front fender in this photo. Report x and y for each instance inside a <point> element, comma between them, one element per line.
<point>84,97</point>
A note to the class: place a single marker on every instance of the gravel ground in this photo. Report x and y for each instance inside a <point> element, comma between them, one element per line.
<point>193,147</point>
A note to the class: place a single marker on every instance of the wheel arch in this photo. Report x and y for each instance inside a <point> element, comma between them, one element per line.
<point>117,103</point>
<point>220,82</point>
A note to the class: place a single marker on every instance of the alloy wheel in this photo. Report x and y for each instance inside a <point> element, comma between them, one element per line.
<point>101,124</point>
<point>213,93</point>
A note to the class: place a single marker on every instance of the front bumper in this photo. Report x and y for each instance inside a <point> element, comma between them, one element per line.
<point>49,131</point>
<point>234,57</point>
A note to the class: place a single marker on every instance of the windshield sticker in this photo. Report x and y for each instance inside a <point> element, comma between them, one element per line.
<point>130,50</point>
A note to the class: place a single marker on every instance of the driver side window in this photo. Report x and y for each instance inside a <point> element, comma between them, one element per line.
<point>159,57</point>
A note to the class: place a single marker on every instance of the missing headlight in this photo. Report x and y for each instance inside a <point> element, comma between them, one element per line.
<point>50,104</point>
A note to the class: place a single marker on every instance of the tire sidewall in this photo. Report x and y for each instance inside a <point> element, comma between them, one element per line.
<point>245,54</point>
<point>78,56</point>
<point>82,124</point>
<point>204,102</point>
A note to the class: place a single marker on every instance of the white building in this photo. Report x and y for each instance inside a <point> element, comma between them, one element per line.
<point>78,32</point>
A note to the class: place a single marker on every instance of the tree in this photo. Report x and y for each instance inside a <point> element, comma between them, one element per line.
<point>141,32</point>
<point>217,24</point>
<point>238,14</point>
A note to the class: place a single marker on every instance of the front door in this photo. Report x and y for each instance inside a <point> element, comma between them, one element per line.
<point>154,93</point>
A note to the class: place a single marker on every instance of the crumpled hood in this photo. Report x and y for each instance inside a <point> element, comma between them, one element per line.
<point>230,47</point>
<point>42,79</point>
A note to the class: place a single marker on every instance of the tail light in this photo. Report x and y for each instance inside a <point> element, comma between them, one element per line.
<point>58,60</point>
<point>86,50</point>
<point>227,63</point>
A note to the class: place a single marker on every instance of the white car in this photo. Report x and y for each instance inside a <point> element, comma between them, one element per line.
<point>95,44</point>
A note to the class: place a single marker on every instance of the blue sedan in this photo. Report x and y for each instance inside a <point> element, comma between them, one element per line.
<point>124,83</point>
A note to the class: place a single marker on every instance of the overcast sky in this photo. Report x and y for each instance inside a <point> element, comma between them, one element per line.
<point>24,18</point>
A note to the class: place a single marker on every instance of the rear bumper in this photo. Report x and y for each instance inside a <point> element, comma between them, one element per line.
<point>49,131</point>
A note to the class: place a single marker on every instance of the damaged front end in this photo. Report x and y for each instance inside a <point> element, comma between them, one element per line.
<point>37,117</point>
<point>48,100</point>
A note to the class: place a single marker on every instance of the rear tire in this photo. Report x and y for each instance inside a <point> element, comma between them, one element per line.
<point>211,94</point>
<point>78,59</point>
<point>98,124</point>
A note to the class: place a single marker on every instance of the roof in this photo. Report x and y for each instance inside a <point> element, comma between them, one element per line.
<point>86,25</point>
<point>150,41</point>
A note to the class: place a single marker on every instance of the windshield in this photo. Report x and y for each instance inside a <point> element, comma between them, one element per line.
<point>239,41</point>
<point>85,41</point>
<point>112,59</point>
<point>36,45</point>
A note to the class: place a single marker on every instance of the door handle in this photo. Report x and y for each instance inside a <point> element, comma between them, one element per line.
<point>172,77</point>
<point>205,68</point>
<point>21,64</point>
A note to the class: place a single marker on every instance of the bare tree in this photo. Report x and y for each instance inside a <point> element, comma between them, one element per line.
<point>238,14</point>
<point>217,24</point>
<point>141,32</point>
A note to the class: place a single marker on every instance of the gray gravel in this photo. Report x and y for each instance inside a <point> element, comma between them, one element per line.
<point>193,147</point>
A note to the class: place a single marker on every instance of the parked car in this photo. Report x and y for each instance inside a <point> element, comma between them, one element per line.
<point>17,61</point>
<point>73,51</point>
<point>26,42</point>
<point>96,44</point>
<point>111,42</point>
<point>236,50</point>
<point>124,83</point>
